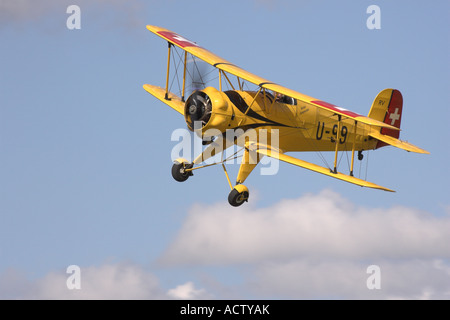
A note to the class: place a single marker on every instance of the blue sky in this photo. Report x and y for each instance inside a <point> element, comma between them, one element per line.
<point>85,165</point>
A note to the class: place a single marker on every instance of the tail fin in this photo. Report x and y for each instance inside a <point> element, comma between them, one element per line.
<point>387,107</point>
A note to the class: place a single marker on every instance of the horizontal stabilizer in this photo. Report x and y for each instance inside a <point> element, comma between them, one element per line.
<point>396,142</point>
<point>174,101</point>
<point>320,169</point>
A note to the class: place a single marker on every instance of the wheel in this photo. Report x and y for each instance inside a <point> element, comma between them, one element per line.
<point>178,171</point>
<point>238,195</point>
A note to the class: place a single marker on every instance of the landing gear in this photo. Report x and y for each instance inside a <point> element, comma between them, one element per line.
<point>238,195</point>
<point>182,169</point>
<point>179,172</point>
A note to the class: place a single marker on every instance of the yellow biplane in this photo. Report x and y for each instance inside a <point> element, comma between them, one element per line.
<point>297,121</point>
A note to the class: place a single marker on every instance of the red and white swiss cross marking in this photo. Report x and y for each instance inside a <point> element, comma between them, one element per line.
<point>177,39</point>
<point>394,117</point>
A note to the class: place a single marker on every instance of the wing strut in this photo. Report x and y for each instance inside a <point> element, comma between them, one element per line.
<point>184,76</point>
<point>353,149</point>
<point>338,136</point>
<point>226,77</point>
<point>256,95</point>
<point>168,68</point>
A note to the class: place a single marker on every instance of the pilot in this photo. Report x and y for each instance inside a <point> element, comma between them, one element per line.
<point>279,97</point>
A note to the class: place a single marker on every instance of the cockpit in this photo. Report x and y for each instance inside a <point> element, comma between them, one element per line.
<point>281,98</point>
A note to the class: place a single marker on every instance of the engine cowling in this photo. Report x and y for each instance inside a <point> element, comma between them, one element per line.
<point>208,109</point>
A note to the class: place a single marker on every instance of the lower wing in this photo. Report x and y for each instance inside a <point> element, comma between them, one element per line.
<point>173,101</point>
<point>267,151</point>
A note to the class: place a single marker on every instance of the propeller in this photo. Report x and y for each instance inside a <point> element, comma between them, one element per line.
<point>197,70</point>
<point>198,108</point>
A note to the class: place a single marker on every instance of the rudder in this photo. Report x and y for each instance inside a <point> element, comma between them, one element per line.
<point>387,107</point>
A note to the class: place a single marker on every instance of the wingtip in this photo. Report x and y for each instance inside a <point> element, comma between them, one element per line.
<point>153,28</point>
<point>382,188</point>
<point>419,150</point>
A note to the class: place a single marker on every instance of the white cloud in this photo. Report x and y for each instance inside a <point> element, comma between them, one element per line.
<point>113,13</point>
<point>187,291</point>
<point>21,10</point>
<point>347,279</point>
<point>120,281</point>
<point>311,226</point>
<point>108,281</point>
<point>319,246</point>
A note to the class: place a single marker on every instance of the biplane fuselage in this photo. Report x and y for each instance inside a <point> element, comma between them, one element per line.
<point>299,122</point>
<point>301,126</point>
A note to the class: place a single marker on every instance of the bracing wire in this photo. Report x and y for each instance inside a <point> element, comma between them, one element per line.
<point>176,65</point>
<point>367,163</point>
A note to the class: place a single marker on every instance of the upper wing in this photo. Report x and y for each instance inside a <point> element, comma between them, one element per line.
<point>227,66</point>
<point>270,152</point>
<point>205,55</point>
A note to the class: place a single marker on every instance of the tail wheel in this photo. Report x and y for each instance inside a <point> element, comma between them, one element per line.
<point>179,172</point>
<point>238,195</point>
<point>360,155</point>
